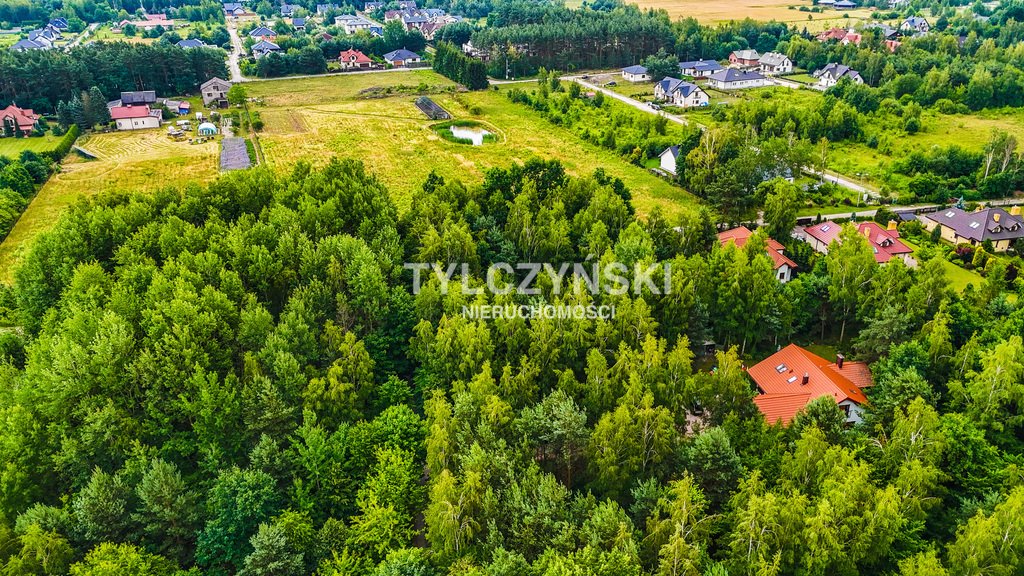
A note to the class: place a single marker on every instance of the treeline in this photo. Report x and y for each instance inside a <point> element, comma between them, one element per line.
<point>450,61</point>
<point>239,378</point>
<point>19,178</point>
<point>39,79</point>
<point>522,37</point>
<point>308,60</point>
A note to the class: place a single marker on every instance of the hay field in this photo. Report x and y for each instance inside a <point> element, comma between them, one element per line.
<point>130,161</point>
<point>317,119</point>
<point>713,12</point>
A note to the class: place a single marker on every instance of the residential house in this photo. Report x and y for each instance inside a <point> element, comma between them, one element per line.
<point>138,97</point>
<point>826,3</point>
<point>667,159</point>
<point>414,21</point>
<point>215,92</point>
<point>844,5</point>
<point>234,9</point>
<point>299,23</point>
<point>733,79</point>
<point>14,120</point>
<point>45,37</point>
<point>773,63</point>
<point>852,38</point>
<point>150,24</point>
<point>680,93</point>
<point>59,23</point>
<point>289,10</point>
<point>407,4</point>
<point>699,68</point>
<point>137,117</point>
<point>885,242</point>
<point>915,25</point>
<point>401,57</point>
<point>997,225</point>
<point>831,74</point>
<point>25,45</point>
<point>429,29</point>
<point>892,45</point>
<point>832,34</point>
<point>322,9</point>
<point>746,58</point>
<point>793,377</point>
<point>635,73</point>
<point>371,6</point>
<point>191,43</point>
<point>352,59</point>
<point>782,265</point>
<point>264,47</point>
<point>351,23</point>
<point>263,33</point>
<point>896,4</point>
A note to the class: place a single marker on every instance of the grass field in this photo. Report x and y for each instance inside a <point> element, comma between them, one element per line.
<point>131,161</point>
<point>316,119</point>
<point>12,147</point>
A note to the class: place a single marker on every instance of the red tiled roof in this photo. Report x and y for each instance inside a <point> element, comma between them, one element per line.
<point>780,379</point>
<point>885,243</point>
<point>741,234</point>
<point>776,407</point>
<point>123,112</point>
<point>856,372</point>
<point>354,56</point>
<point>825,232</point>
<point>24,117</point>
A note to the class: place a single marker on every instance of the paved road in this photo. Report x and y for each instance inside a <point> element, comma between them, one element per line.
<point>237,50</point>
<point>843,181</point>
<point>85,34</point>
<point>631,101</point>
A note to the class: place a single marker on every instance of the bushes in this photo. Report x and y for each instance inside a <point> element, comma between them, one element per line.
<point>62,149</point>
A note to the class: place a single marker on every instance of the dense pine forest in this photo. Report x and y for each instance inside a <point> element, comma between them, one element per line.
<point>238,379</point>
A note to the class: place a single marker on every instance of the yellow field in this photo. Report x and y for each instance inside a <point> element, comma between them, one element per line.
<point>130,161</point>
<point>712,12</point>
<point>321,118</point>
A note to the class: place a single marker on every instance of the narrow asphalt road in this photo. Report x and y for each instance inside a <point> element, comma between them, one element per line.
<point>237,49</point>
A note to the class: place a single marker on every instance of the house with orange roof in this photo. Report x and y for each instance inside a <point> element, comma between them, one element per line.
<point>354,59</point>
<point>884,242</point>
<point>782,265</point>
<point>793,377</point>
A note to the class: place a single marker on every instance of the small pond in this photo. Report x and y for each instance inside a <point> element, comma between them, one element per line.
<point>472,133</point>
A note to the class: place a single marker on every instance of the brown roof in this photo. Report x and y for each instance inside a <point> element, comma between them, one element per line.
<point>780,377</point>
<point>741,234</point>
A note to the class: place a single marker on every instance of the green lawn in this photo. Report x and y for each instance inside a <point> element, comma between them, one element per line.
<point>12,147</point>
<point>316,119</point>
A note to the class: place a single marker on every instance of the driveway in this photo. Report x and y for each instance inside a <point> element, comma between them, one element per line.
<point>237,49</point>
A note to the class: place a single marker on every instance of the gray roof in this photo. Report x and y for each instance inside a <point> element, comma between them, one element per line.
<point>401,54</point>
<point>837,72</point>
<point>988,224</point>
<point>232,6</point>
<point>701,65</point>
<point>22,45</point>
<point>214,82</point>
<point>734,75</point>
<point>140,97</point>
<point>747,54</point>
<point>635,69</point>
<point>265,46</point>
<point>298,22</point>
<point>773,59</point>
<point>261,31</point>
<point>191,43</point>
<point>915,21</point>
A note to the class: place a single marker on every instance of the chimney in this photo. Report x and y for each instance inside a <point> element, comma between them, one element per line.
<point>995,216</point>
<point>806,379</point>
<point>1015,211</point>
<point>891,225</point>
<point>839,361</point>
